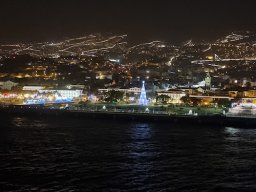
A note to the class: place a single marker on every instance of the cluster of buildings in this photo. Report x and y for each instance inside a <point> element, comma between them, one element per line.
<point>13,93</point>
<point>100,68</point>
<point>146,93</point>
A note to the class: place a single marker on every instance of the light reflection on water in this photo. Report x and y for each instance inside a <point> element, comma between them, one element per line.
<point>141,131</point>
<point>239,133</point>
<point>140,141</point>
<point>142,151</point>
<point>24,122</point>
<point>232,131</point>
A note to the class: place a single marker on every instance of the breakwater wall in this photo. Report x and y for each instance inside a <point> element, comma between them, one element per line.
<point>211,120</point>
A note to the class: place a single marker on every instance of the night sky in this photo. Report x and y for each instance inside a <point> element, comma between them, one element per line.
<point>142,20</point>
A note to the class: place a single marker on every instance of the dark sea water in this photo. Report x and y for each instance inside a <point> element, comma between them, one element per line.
<point>74,154</point>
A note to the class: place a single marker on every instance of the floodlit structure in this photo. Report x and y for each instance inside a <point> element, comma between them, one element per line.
<point>32,88</point>
<point>243,109</point>
<point>52,96</point>
<point>7,85</point>
<point>143,97</point>
<point>208,81</point>
<point>174,95</point>
<point>70,94</point>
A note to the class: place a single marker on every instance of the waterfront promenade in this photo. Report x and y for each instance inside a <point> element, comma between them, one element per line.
<point>140,114</point>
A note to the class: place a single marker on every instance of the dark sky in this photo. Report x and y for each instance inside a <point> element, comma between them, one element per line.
<point>142,20</point>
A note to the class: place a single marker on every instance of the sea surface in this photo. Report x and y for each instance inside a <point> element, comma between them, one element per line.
<point>78,154</point>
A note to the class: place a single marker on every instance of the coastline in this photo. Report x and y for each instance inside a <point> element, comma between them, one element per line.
<point>207,120</point>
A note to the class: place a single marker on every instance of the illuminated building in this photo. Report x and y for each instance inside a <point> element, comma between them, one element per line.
<point>32,88</point>
<point>75,86</point>
<point>103,75</point>
<point>208,81</point>
<point>134,90</point>
<point>8,85</point>
<point>53,96</point>
<point>174,95</point>
<point>244,109</point>
<point>71,94</point>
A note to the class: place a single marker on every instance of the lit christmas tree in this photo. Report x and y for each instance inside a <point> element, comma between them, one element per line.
<point>143,97</point>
